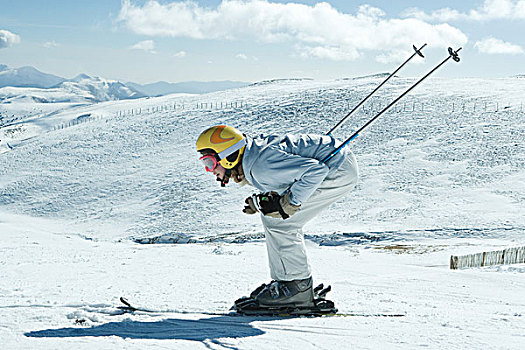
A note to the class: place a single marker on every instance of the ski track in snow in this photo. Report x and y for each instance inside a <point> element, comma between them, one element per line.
<point>75,202</point>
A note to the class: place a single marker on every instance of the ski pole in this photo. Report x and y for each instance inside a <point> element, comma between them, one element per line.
<point>417,51</point>
<point>451,54</point>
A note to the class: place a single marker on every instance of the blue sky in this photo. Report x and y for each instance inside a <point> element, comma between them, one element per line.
<point>147,41</point>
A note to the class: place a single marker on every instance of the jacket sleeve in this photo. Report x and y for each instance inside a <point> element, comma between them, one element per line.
<point>278,169</point>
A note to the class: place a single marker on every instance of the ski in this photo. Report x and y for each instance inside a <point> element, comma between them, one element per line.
<point>127,307</point>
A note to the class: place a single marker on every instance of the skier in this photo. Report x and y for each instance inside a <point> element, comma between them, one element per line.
<point>295,186</point>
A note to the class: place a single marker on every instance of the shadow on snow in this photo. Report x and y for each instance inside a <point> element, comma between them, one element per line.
<point>197,330</point>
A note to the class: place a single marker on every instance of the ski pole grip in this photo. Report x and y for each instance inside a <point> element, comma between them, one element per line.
<point>418,51</point>
<point>454,54</point>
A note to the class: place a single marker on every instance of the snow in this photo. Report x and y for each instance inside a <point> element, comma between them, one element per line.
<point>57,278</point>
<point>76,200</point>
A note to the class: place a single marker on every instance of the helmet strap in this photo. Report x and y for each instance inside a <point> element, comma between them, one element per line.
<point>226,178</point>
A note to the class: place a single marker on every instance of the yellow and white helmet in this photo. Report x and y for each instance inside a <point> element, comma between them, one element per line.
<point>224,141</point>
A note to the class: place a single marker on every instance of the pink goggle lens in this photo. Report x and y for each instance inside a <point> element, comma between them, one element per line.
<point>210,162</point>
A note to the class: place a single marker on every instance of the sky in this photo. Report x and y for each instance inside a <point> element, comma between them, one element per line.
<point>252,40</point>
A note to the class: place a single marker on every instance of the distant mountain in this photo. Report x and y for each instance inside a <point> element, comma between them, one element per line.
<point>98,89</point>
<point>86,88</point>
<point>377,75</point>
<point>280,80</point>
<point>27,77</point>
<point>190,87</point>
<point>27,84</point>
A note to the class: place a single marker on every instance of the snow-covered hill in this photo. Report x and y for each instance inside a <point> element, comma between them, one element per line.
<point>442,173</point>
<point>192,87</point>
<point>421,169</point>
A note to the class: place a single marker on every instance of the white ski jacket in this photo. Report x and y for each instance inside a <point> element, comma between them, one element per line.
<point>290,163</point>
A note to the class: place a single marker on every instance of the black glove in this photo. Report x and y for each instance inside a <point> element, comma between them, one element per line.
<point>270,204</point>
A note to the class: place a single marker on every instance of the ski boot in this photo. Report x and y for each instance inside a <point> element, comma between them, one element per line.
<point>268,294</point>
<point>287,293</point>
<point>288,298</point>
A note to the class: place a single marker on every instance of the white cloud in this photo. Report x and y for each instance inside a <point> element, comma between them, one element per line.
<point>146,45</point>
<point>242,56</point>
<point>331,53</point>
<point>489,10</point>
<point>393,56</point>
<point>318,30</point>
<point>496,46</point>
<point>50,44</point>
<point>8,39</point>
<point>180,54</point>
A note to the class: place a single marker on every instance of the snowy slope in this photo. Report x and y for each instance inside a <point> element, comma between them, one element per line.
<point>52,280</point>
<point>420,170</point>
<point>442,174</point>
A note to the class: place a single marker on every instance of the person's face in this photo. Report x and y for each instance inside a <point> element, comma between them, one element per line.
<point>219,171</point>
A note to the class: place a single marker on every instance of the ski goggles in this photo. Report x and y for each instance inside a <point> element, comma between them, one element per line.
<point>210,162</point>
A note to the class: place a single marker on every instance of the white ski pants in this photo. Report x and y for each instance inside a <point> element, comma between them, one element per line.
<point>285,239</point>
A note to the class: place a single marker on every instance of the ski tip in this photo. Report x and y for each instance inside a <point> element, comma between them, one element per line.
<point>125,301</point>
